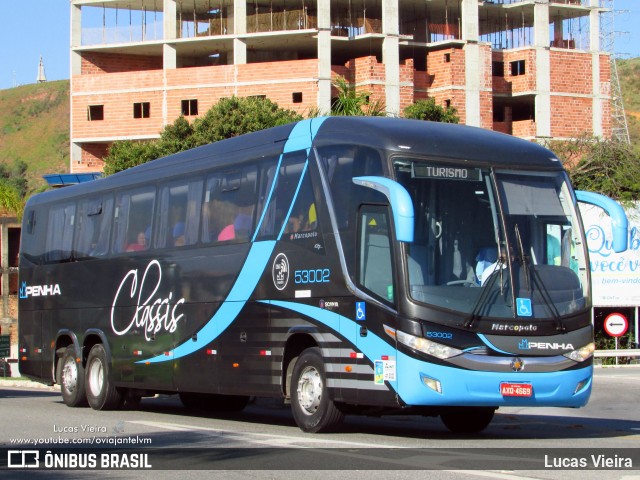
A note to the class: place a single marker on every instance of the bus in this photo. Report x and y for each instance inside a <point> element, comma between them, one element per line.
<point>340,264</point>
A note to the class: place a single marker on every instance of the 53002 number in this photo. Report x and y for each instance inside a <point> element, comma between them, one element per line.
<point>320,275</point>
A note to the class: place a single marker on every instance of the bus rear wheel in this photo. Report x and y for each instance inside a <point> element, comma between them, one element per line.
<point>101,393</point>
<point>468,419</point>
<point>313,410</point>
<point>72,379</point>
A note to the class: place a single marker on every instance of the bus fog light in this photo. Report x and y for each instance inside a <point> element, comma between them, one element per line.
<point>582,354</point>
<point>581,385</point>
<point>432,383</point>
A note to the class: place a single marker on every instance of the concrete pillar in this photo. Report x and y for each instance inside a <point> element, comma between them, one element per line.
<point>76,40</point>
<point>324,56</point>
<point>238,18</point>
<point>543,69</point>
<point>473,70</point>
<point>76,156</point>
<point>594,45</point>
<point>391,55</point>
<point>170,21</point>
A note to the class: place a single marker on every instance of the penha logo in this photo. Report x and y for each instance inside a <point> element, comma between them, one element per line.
<point>280,271</point>
<point>27,291</point>
<point>527,345</point>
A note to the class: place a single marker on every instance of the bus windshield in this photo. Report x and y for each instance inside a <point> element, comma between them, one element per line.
<point>498,244</point>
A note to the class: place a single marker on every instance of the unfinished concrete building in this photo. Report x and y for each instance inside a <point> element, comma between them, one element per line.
<point>531,68</point>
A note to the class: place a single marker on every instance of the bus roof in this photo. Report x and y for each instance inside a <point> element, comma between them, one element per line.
<point>415,137</point>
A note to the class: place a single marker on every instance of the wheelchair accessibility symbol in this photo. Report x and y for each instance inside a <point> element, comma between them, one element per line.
<point>524,307</point>
<point>361,311</point>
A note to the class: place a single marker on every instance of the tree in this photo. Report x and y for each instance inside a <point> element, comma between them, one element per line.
<point>127,153</point>
<point>428,110</point>
<point>601,165</point>
<point>235,116</point>
<point>228,118</point>
<point>11,200</point>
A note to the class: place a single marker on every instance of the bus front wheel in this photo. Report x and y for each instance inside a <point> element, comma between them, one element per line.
<point>101,393</point>
<point>312,408</point>
<point>468,419</point>
<point>72,379</point>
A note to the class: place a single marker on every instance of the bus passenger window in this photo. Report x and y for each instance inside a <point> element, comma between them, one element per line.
<point>281,195</point>
<point>60,233</point>
<point>229,205</point>
<point>179,213</point>
<point>133,215</point>
<point>93,227</point>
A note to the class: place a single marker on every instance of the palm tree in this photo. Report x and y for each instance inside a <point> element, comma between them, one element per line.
<point>350,102</point>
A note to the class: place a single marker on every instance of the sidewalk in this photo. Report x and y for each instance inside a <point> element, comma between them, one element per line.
<point>23,383</point>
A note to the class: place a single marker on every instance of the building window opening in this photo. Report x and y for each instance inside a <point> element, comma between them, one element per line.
<point>95,112</point>
<point>447,58</point>
<point>497,69</point>
<point>296,97</point>
<point>517,68</point>
<point>189,107</point>
<point>141,110</point>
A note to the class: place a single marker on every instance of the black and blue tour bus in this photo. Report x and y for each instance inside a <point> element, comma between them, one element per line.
<point>343,264</point>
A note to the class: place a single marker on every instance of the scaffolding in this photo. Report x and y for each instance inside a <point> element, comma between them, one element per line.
<point>619,127</point>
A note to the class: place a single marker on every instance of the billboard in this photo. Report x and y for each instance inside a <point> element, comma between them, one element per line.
<point>615,277</point>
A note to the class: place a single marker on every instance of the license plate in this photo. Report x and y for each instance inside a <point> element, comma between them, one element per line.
<point>516,390</point>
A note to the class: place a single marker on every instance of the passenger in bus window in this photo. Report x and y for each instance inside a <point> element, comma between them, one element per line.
<point>140,244</point>
<point>178,234</point>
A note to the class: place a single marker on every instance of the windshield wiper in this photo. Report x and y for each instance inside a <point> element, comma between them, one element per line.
<point>529,273</point>
<point>486,289</point>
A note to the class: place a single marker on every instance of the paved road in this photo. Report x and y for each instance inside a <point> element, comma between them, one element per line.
<point>264,437</point>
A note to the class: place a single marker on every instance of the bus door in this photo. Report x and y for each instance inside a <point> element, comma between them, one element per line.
<point>376,277</point>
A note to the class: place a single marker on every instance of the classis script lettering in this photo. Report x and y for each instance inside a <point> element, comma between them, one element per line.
<point>153,313</point>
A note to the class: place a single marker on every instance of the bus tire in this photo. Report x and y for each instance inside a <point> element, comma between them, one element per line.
<point>72,379</point>
<point>313,410</point>
<point>101,393</point>
<point>467,419</point>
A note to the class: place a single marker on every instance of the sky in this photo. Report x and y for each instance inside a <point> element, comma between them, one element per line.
<point>30,29</point>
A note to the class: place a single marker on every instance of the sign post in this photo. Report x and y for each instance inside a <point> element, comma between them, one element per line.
<point>616,325</point>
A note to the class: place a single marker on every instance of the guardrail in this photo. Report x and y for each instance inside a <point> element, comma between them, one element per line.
<point>621,352</point>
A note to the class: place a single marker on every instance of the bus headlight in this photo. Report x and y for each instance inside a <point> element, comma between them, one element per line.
<point>427,346</point>
<point>582,354</point>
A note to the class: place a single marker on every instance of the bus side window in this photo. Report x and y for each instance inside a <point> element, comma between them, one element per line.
<point>375,265</point>
<point>281,196</point>
<point>133,215</point>
<point>179,213</point>
<point>60,233</point>
<point>229,205</point>
<point>93,227</point>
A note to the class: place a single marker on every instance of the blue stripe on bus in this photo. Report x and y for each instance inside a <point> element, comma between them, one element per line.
<point>491,345</point>
<point>459,387</point>
<point>300,138</point>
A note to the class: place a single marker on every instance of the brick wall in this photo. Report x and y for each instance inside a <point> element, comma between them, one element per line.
<point>99,63</point>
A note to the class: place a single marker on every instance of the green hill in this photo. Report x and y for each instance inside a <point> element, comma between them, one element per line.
<point>629,73</point>
<point>34,122</point>
<point>34,128</point>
